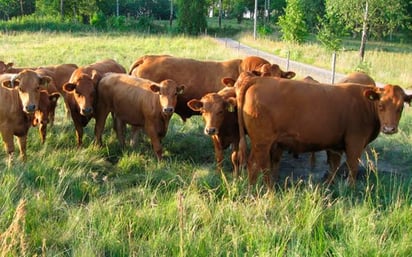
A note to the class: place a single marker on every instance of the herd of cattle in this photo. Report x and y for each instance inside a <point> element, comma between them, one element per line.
<point>235,97</point>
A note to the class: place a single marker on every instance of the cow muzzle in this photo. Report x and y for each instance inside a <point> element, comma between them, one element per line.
<point>168,110</point>
<point>210,131</point>
<point>389,129</point>
<point>30,108</point>
<point>87,111</point>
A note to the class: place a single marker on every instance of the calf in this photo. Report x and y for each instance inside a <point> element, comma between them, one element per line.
<point>281,114</point>
<point>138,102</point>
<point>81,92</point>
<point>220,116</point>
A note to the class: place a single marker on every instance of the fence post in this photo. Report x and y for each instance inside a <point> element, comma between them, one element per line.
<point>287,60</point>
<point>333,67</point>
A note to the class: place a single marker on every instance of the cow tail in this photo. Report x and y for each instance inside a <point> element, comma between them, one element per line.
<point>240,98</point>
<point>136,64</point>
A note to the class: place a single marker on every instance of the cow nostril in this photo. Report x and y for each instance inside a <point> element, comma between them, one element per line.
<point>30,108</point>
<point>210,131</point>
<point>168,110</point>
<point>88,110</point>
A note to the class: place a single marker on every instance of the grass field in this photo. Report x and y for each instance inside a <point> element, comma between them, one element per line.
<point>94,201</point>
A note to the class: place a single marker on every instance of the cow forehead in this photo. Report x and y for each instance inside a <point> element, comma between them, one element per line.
<point>212,101</point>
<point>168,87</point>
<point>84,85</point>
<point>394,94</point>
<point>28,79</point>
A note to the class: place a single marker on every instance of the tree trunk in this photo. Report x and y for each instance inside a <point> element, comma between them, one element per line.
<point>171,13</point>
<point>21,7</point>
<point>62,8</point>
<point>220,14</point>
<point>364,34</point>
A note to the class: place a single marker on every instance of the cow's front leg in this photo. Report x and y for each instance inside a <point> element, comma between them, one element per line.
<point>8,146</point>
<point>22,143</point>
<point>218,153</point>
<point>155,140</point>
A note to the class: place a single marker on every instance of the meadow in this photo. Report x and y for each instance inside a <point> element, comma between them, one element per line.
<point>107,201</point>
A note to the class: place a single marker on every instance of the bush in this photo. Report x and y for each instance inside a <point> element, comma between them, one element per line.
<point>98,20</point>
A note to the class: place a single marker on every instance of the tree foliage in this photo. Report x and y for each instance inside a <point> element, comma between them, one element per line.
<point>292,23</point>
<point>191,16</point>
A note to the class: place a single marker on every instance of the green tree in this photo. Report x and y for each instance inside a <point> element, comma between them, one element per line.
<point>191,16</point>
<point>292,23</point>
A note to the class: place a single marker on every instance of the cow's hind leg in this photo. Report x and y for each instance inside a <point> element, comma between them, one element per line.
<point>333,158</point>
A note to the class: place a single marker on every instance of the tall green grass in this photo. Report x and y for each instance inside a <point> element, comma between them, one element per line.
<point>107,201</point>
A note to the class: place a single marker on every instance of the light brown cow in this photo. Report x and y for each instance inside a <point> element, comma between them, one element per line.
<point>220,116</point>
<point>199,77</point>
<point>281,114</point>
<point>138,102</point>
<point>20,98</point>
<point>358,77</point>
<point>81,91</point>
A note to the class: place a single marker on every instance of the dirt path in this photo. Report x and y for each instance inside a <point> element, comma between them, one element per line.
<point>300,167</point>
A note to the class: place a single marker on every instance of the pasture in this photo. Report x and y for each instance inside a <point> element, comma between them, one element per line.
<point>104,201</point>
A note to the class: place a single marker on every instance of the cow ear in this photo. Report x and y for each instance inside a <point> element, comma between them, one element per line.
<point>408,99</point>
<point>45,81</point>
<point>9,65</point>
<point>155,88</point>
<point>10,85</point>
<point>195,105</point>
<point>69,87</point>
<point>180,90</point>
<point>371,95</point>
<point>231,104</point>
<point>288,74</point>
<point>96,77</point>
<point>229,82</point>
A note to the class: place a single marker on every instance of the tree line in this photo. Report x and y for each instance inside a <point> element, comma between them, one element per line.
<point>329,19</point>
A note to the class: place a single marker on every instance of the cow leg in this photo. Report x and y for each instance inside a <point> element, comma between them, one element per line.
<point>22,143</point>
<point>79,134</point>
<point>101,117</point>
<point>333,158</point>
<point>353,155</point>
<point>275,155</point>
<point>235,160</point>
<point>154,139</point>
<point>42,132</point>
<point>120,132</point>
<point>259,161</point>
<point>8,146</point>
<point>134,139</point>
<point>218,153</point>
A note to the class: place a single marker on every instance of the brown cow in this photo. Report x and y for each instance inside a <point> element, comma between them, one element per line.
<point>47,105</point>
<point>358,77</point>
<point>298,116</point>
<point>139,102</point>
<point>200,77</point>
<point>4,67</point>
<point>20,97</point>
<point>81,91</point>
<point>255,63</point>
<point>220,116</point>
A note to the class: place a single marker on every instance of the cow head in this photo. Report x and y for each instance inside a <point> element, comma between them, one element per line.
<point>273,70</point>
<point>168,90</point>
<point>389,102</point>
<point>4,67</point>
<point>83,89</point>
<point>213,107</point>
<point>29,85</point>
